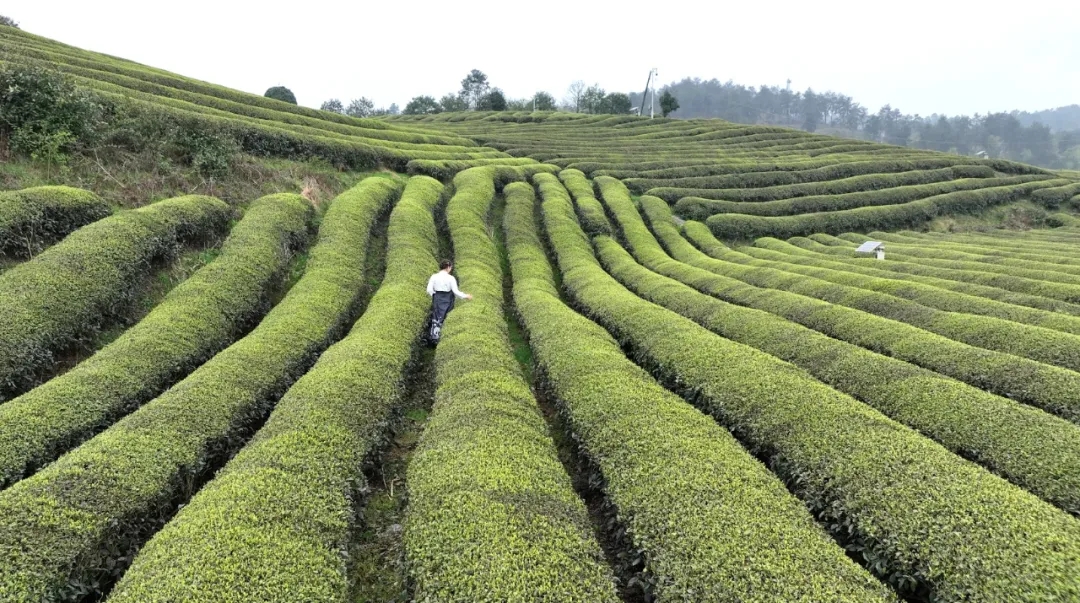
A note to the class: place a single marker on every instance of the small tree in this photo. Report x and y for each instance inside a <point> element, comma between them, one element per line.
<point>592,99</point>
<point>422,105</point>
<point>282,94</point>
<point>334,106</point>
<point>360,107</point>
<point>542,101</point>
<point>573,96</point>
<point>493,101</point>
<point>474,88</point>
<point>615,102</point>
<point>450,102</point>
<point>43,115</point>
<point>668,103</point>
<point>394,109</point>
<point>8,21</point>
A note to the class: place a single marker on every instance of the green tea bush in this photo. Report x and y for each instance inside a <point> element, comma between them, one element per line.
<point>914,213</point>
<point>446,169</point>
<point>273,522</point>
<point>197,319</point>
<point>1034,383</point>
<point>1008,438</point>
<point>701,209</point>
<point>42,112</point>
<point>34,218</point>
<point>593,219</point>
<point>88,512</point>
<point>662,463</point>
<point>932,524</point>
<point>804,250</point>
<point>774,178</point>
<point>853,184</point>
<point>925,294</point>
<point>492,514</point>
<point>88,280</point>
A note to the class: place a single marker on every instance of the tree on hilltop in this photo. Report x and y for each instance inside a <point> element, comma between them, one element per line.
<point>422,105</point>
<point>282,94</point>
<point>360,107</point>
<point>452,102</point>
<point>668,103</point>
<point>493,101</point>
<point>8,21</point>
<point>474,88</point>
<point>542,101</point>
<point>334,106</point>
<point>615,102</point>
<point>573,99</point>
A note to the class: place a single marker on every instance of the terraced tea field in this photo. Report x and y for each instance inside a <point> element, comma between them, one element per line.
<point>677,380</point>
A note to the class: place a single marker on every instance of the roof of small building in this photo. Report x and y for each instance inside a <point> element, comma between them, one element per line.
<point>869,247</point>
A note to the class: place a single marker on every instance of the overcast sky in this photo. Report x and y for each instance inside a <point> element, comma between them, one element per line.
<point>943,56</point>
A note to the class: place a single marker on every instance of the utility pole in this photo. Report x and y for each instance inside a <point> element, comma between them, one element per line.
<point>652,78</point>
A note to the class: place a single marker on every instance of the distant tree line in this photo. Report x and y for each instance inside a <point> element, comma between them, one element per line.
<point>1026,137</point>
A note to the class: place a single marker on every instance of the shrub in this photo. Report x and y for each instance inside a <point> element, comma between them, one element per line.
<point>492,514</point>
<point>198,318</point>
<point>89,511</point>
<point>809,251</point>
<point>8,22</point>
<point>88,280</point>
<point>662,463</point>
<point>300,477</point>
<point>915,513</point>
<point>914,213</point>
<point>282,94</point>
<point>34,218</point>
<point>44,114</point>
<point>1048,387</point>
<point>703,208</point>
<point>592,214</point>
<point>1010,439</point>
<point>926,294</point>
<point>852,184</point>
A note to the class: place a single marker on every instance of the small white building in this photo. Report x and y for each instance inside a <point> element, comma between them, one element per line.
<point>875,247</point>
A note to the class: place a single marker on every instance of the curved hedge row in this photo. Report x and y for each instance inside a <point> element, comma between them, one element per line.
<point>693,164</point>
<point>1052,198</point>
<point>1048,387</point>
<point>740,226</point>
<point>1044,249</point>
<point>962,272</point>
<point>853,184</point>
<point>445,169</point>
<point>197,319</point>
<point>34,218</point>
<point>1057,347</point>
<point>593,218</point>
<point>70,529</point>
<point>925,295</point>
<point>741,535</point>
<point>799,250</point>
<point>273,523</point>
<point>492,514</point>
<point>47,303</point>
<point>1047,266</point>
<point>918,514</point>
<point>1053,256</point>
<point>829,172</point>
<point>700,209</point>
<point>1028,447</point>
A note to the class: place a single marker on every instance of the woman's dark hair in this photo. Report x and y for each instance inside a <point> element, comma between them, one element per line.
<point>443,265</point>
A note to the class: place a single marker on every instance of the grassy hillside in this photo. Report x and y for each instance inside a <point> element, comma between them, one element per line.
<point>676,379</point>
